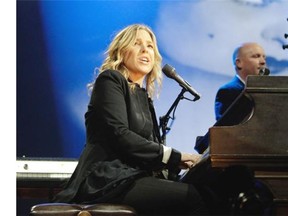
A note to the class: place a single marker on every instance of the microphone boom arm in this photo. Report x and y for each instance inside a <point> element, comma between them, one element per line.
<point>164,119</point>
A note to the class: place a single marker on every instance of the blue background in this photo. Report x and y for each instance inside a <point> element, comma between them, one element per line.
<point>60,43</point>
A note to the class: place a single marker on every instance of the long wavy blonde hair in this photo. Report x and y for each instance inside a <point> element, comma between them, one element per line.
<point>115,57</point>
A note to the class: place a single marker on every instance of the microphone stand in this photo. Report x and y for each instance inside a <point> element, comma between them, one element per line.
<point>164,119</point>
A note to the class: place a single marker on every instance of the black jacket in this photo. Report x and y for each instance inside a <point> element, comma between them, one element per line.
<point>122,142</point>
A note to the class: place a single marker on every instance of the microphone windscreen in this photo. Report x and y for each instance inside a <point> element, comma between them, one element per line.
<point>168,71</point>
<point>264,71</point>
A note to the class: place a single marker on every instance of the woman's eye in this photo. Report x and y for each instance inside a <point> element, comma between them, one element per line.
<point>136,43</point>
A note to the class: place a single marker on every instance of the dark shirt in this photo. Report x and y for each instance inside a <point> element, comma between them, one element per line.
<point>226,95</point>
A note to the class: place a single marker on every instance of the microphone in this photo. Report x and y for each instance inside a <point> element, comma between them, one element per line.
<point>171,73</point>
<point>264,71</point>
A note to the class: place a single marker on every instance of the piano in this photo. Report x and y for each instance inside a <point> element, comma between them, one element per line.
<point>42,177</point>
<point>254,132</point>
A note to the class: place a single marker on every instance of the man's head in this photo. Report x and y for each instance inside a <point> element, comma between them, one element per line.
<point>248,59</point>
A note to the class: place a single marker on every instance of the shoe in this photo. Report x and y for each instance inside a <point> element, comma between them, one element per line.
<point>247,203</point>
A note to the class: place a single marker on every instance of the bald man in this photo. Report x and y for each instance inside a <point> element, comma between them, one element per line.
<point>248,59</point>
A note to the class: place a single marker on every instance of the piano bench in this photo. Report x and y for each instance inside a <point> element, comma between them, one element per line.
<point>65,209</point>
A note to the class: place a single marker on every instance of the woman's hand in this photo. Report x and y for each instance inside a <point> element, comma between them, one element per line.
<point>188,160</point>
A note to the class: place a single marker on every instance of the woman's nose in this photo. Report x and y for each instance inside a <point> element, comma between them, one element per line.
<point>144,48</point>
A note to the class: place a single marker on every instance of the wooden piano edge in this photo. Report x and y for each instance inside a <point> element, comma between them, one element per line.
<point>37,193</point>
<point>280,207</point>
<point>255,162</point>
<point>39,189</point>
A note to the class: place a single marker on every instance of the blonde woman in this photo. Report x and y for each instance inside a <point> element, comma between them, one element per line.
<point>123,160</point>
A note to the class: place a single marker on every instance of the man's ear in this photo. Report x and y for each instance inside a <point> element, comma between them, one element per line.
<point>238,64</point>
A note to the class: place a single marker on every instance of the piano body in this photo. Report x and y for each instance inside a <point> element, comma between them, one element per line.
<point>42,177</point>
<point>259,139</point>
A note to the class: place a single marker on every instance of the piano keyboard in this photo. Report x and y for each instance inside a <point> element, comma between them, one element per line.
<point>44,168</point>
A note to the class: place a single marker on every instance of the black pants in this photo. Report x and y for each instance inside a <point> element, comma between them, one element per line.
<point>202,192</point>
<point>154,196</point>
<point>231,191</point>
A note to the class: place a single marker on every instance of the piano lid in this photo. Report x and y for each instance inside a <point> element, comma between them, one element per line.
<point>243,108</point>
<point>263,132</point>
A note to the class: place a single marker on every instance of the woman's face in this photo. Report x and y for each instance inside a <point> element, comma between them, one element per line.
<point>139,58</point>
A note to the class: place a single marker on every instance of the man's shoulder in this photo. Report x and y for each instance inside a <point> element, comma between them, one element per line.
<point>234,83</point>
